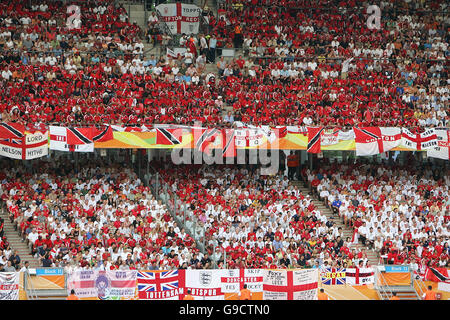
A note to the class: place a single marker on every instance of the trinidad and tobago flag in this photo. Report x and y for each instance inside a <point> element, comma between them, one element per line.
<point>169,136</point>
<point>314,135</point>
<point>437,275</point>
<point>76,136</point>
<point>11,130</point>
<point>103,134</point>
<point>203,137</point>
<point>228,146</point>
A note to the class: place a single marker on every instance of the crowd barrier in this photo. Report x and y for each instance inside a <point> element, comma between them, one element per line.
<point>216,284</point>
<point>26,144</point>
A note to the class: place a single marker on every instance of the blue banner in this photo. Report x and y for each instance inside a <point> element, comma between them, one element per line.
<point>49,271</point>
<point>402,269</point>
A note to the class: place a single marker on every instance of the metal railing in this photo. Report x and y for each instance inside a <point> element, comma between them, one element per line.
<point>181,213</point>
<point>30,292</point>
<point>419,286</point>
<point>381,285</point>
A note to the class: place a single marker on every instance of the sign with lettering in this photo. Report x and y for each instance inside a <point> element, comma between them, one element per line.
<point>180,17</point>
<point>105,285</point>
<point>31,146</point>
<point>290,284</point>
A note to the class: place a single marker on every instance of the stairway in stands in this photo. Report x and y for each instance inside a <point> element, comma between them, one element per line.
<point>348,232</point>
<point>403,293</point>
<point>16,243</point>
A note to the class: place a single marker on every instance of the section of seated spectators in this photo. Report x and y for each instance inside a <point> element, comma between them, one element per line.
<point>256,221</point>
<point>93,215</point>
<point>401,211</point>
<point>332,69</point>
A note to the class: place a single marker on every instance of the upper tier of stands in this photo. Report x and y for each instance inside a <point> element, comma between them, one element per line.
<point>302,62</point>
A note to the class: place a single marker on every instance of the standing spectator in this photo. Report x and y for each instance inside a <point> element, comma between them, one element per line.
<point>212,49</point>
<point>293,163</point>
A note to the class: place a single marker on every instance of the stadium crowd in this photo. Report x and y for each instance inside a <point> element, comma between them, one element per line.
<point>400,211</point>
<point>9,259</point>
<point>94,216</point>
<point>329,70</point>
<point>256,221</point>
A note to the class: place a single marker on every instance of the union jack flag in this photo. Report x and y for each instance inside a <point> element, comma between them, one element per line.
<point>332,276</point>
<point>157,281</point>
<point>11,140</point>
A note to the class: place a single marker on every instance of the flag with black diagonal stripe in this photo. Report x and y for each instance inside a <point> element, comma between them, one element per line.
<point>314,134</point>
<point>103,134</point>
<point>169,136</point>
<point>11,130</point>
<point>59,141</point>
<point>203,137</point>
<point>437,274</point>
<point>228,146</point>
<point>76,136</point>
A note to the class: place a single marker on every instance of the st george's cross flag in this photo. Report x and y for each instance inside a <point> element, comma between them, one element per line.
<point>442,150</point>
<point>360,276</point>
<point>419,141</point>
<point>180,17</point>
<point>376,140</point>
<point>233,280</point>
<point>108,284</point>
<point>290,284</point>
<point>248,137</point>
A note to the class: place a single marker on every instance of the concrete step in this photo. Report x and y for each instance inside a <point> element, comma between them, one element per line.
<point>16,243</point>
<point>348,232</point>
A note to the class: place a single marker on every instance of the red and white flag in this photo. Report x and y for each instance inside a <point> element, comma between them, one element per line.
<point>204,284</point>
<point>76,136</point>
<point>419,141</point>
<point>110,284</point>
<point>359,276</point>
<point>290,284</point>
<point>10,130</point>
<point>442,150</point>
<point>375,140</point>
<point>180,17</point>
<point>314,139</point>
<point>33,144</point>
<point>253,137</point>
<point>59,141</point>
<point>103,134</point>
<point>233,280</point>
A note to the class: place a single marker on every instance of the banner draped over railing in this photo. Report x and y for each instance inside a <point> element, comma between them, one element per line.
<point>20,142</point>
<point>217,284</point>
